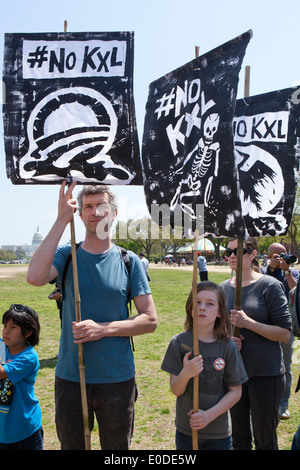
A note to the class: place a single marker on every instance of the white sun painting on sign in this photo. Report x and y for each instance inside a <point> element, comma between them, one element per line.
<point>70,124</point>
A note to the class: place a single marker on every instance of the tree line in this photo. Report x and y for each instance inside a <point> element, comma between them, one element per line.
<point>138,236</point>
<point>10,255</point>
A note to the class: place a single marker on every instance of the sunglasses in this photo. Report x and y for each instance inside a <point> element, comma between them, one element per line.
<point>229,251</point>
<point>20,308</point>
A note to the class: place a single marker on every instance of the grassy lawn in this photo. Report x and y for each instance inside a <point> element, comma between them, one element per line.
<point>155,407</point>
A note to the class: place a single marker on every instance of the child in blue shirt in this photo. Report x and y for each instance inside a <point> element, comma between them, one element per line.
<point>20,412</point>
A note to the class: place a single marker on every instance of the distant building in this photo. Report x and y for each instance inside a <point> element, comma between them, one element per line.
<point>27,249</point>
<point>37,239</point>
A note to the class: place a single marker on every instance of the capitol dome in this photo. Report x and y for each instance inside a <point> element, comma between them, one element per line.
<point>37,238</point>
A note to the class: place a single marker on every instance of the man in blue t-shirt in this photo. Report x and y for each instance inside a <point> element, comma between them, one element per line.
<point>105,328</point>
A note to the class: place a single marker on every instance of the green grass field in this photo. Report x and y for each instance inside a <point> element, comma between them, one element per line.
<point>155,407</point>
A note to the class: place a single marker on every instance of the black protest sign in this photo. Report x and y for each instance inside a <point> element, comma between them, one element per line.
<point>188,148</point>
<point>69,108</point>
<point>266,130</point>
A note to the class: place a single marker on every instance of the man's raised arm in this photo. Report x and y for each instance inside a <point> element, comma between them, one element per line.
<point>40,270</point>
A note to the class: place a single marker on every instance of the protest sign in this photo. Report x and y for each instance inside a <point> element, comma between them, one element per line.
<point>188,148</point>
<point>69,108</point>
<point>266,135</point>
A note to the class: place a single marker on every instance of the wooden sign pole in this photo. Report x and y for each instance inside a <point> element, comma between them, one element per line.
<point>195,335</point>
<point>195,322</point>
<point>85,414</point>
<point>240,246</point>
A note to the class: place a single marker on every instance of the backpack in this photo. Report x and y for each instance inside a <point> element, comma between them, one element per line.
<point>58,293</point>
<point>294,307</point>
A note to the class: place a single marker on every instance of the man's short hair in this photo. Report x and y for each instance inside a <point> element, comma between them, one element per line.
<point>97,189</point>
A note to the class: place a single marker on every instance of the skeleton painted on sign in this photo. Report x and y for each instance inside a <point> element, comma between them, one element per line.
<point>199,168</point>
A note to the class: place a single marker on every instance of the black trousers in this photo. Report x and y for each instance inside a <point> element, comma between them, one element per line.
<point>256,414</point>
<point>203,276</point>
<point>113,405</point>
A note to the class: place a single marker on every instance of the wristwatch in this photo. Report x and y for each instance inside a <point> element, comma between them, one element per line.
<point>287,272</point>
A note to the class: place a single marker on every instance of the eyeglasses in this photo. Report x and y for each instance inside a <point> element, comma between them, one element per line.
<point>20,308</point>
<point>229,251</point>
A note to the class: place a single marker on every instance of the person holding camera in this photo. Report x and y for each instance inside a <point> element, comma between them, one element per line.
<point>279,267</point>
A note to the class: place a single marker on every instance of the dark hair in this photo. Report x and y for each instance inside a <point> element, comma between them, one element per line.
<point>27,319</point>
<point>222,327</point>
<point>251,244</point>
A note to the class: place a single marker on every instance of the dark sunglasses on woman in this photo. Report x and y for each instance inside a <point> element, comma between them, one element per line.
<point>229,251</point>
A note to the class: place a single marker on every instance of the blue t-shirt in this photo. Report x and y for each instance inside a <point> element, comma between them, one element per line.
<point>20,412</point>
<point>201,261</point>
<point>103,286</point>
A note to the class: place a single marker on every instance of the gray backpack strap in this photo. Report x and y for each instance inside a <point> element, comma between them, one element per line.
<point>126,260</point>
